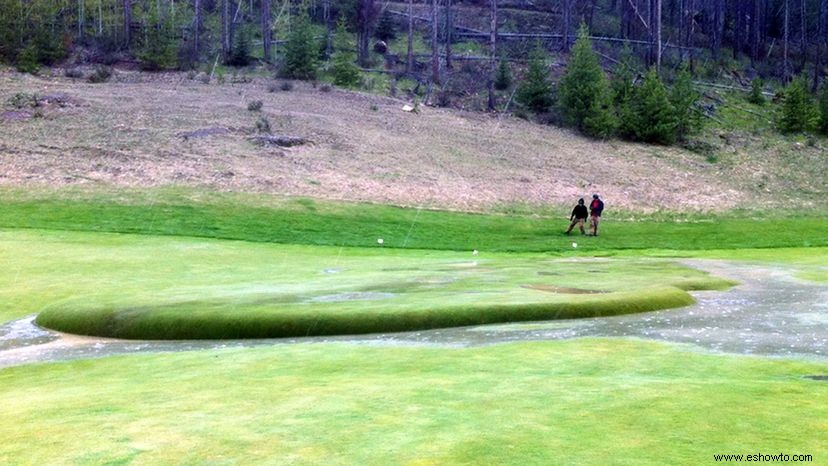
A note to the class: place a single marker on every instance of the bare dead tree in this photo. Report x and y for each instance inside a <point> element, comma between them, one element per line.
<point>567,24</point>
<point>435,58</point>
<point>492,55</point>
<point>326,16</point>
<point>656,24</point>
<point>718,26</point>
<point>786,27</point>
<point>197,27</point>
<point>449,28</point>
<point>803,30</point>
<point>266,30</point>
<point>127,22</point>
<point>756,31</point>
<point>409,63</point>
<point>225,28</point>
<point>822,41</point>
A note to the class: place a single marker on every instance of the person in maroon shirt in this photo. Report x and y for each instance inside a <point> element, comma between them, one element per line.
<point>596,207</point>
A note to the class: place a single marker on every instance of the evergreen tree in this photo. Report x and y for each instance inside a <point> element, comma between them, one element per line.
<point>240,54</point>
<point>385,27</point>
<point>823,110</point>
<point>158,51</point>
<point>585,97</point>
<point>797,110</point>
<point>756,96</point>
<point>623,89</point>
<point>654,117</point>
<point>301,50</point>
<point>343,67</point>
<point>684,96</point>
<point>535,91</point>
<point>503,78</point>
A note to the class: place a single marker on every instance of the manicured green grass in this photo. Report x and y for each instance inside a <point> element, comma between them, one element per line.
<point>139,286</point>
<point>593,401</point>
<point>305,221</point>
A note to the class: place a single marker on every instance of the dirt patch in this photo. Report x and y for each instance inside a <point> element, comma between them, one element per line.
<point>171,130</point>
<point>15,115</point>
<point>562,289</point>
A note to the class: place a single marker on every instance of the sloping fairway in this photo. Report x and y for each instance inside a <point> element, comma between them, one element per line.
<point>595,401</point>
<point>147,287</point>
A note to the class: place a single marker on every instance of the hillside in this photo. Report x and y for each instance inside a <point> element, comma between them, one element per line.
<point>143,130</point>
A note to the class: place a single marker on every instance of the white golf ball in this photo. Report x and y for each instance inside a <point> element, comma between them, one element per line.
<point>380,241</point>
<point>574,245</point>
<point>474,253</point>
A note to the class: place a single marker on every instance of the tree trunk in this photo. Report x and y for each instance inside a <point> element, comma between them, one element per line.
<point>266,30</point>
<point>449,29</point>
<point>492,55</point>
<point>785,65</point>
<point>225,28</point>
<point>81,17</point>
<point>127,22</point>
<point>803,31</point>
<point>409,63</point>
<point>718,26</point>
<point>821,42</point>
<point>435,56</point>
<point>567,24</point>
<point>657,25</point>
<point>756,34</point>
<point>326,16</point>
<point>197,28</point>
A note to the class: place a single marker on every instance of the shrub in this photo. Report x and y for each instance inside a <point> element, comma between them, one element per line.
<point>756,96</point>
<point>101,74</point>
<point>503,78</point>
<point>823,110</point>
<point>586,102</point>
<point>797,110</point>
<point>255,106</point>
<point>325,88</point>
<point>654,117</point>
<point>301,51</point>
<point>535,91</point>
<point>263,125</point>
<point>27,60</point>
<point>23,100</point>
<point>74,73</point>
<point>286,86</point>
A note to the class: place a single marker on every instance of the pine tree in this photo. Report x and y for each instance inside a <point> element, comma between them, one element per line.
<point>585,97</point>
<point>301,50</point>
<point>797,110</point>
<point>684,96</point>
<point>535,91</point>
<point>503,78</point>
<point>343,66</point>
<point>623,89</point>
<point>654,117</point>
<point>823,110</point>
<point>240,54</point>
<point>385,27</point>
<point>756,96</point>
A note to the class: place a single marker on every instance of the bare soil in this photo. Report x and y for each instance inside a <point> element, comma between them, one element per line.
<point>148,130</point>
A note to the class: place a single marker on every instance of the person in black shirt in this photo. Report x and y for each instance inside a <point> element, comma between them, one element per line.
<point>579,214</point>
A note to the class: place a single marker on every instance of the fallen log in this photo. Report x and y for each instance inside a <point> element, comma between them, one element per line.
<point>278,140</point>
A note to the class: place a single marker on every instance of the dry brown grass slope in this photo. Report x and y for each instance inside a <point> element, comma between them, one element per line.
<point>128,133</point>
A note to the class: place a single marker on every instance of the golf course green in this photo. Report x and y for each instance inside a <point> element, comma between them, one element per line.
<point>153,266</point>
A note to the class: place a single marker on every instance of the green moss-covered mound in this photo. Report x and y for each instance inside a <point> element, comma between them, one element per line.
<point>143,287</point>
